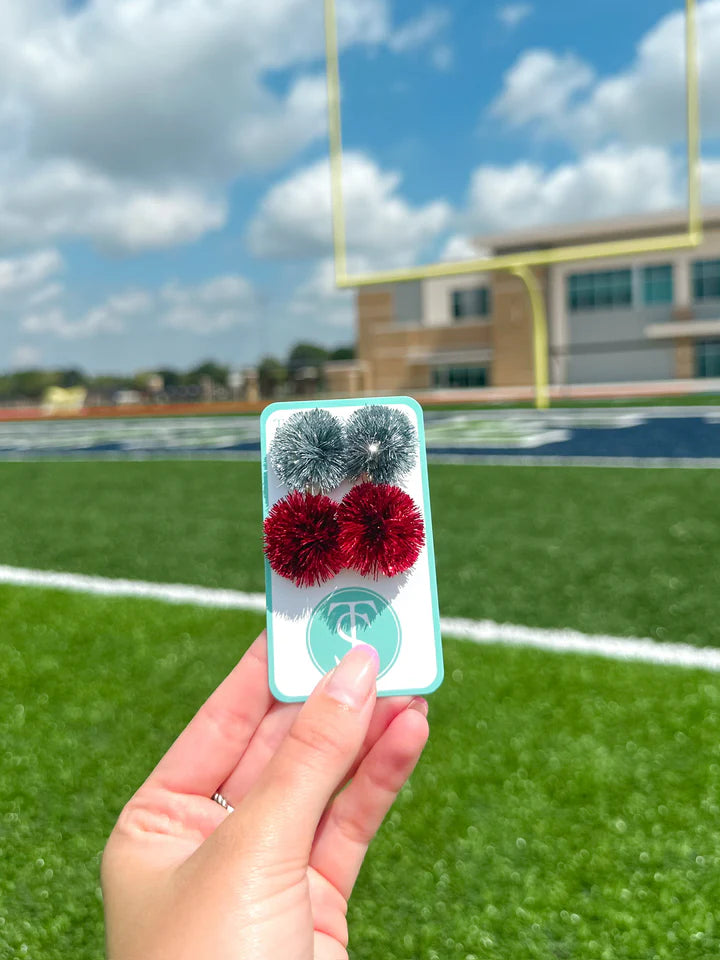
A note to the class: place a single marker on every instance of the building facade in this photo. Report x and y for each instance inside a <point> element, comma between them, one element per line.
<point>654,317</point>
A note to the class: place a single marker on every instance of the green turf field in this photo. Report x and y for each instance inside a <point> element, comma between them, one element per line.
<point>566,807</point>
<point>627,552</point>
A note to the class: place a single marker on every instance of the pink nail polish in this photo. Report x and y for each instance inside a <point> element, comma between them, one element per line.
<point>353,680</point>
<point>420,704</point>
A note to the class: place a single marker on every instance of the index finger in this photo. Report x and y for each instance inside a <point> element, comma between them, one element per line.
<point>209,748</point>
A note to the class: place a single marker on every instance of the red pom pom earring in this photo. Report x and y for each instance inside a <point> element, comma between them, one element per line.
<point>381,530</point>
<point>302,538</point>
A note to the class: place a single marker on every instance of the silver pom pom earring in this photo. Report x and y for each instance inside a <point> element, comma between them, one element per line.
<point>381,444</point>
<point>309,451</point>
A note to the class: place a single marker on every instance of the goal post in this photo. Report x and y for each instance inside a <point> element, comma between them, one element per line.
<point>520,264</point>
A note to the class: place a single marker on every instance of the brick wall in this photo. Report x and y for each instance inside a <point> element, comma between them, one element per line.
<point>512,332</point>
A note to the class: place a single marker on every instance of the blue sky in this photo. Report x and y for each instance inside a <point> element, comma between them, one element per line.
<point>164,194</point>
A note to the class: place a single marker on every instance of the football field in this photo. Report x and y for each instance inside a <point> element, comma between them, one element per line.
<point>567,805</point>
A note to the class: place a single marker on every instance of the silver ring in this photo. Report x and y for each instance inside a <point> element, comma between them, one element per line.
<point>219,798</point>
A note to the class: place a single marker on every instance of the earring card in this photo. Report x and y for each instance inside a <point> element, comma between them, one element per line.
<point>311,628</point>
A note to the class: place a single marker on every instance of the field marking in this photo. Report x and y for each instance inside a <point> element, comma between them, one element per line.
<point>573,641</point>
<point>559,460</point>
<point>448,459</point>
<point>107,587</point>
<point>518,437</point>
<point>477,631</point>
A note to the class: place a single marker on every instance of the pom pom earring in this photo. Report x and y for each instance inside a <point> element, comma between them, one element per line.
<point>302,538</point>
<point>381,444</point>
<point>381,530</point>
<point>308,451</point>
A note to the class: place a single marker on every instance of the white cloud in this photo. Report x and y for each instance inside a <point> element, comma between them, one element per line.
<point>319,302</point>
<point>642,104</point>
<point>126,122</point>
<point>51,291</point>
<point>460,247</point>
<point>62,199</point>
<point>710,178</point>
<point>148,220</point>
<point>611,182</point>
<point>294,217</point>
<point>129,303</point>
<point>27,283</point>
<point>211,307</point>
<point>181,81</point>
<point>267,139</point>
<point>425,30</point>
<point>420,31</point>
<point>384,230</point>
<point>540,86</point>
<point>512,14</point>
<point>111,316</point>
<point>647,102</point>
<point>22,274</point>
<point>150,87</point>
<point>627,130</point>
<point>56,323</point>
<point>205,308</point>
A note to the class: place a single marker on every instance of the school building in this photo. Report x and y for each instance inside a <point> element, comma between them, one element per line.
<point>647,318</point>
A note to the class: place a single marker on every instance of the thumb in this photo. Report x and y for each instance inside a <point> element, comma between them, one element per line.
<point>298,783</point>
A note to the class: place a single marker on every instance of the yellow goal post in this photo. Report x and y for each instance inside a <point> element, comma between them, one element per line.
<point>519,264</point>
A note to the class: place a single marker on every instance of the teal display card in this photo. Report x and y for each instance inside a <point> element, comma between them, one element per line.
<point>311,628</point>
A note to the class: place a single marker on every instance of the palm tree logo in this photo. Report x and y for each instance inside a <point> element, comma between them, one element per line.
<point>348,617</point>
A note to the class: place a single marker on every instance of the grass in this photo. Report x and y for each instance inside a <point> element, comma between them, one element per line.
<point>91,693</point>
<point>626,552</point>
<point>565,807</point>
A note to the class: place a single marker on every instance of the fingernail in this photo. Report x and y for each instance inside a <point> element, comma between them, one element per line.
<point>420,704</point>
<point>353,679</point>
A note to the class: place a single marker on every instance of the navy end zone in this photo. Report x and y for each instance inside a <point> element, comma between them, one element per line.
<point>652,436</point>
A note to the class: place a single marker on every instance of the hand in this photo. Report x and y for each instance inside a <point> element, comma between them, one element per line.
<point>183,879</point>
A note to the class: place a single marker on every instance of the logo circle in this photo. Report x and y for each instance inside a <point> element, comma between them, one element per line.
<point>348,617</point>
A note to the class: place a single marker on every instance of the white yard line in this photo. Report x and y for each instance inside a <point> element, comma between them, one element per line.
<point>471,459</point>
<point>573,641</point>
<point>106,587</point>
<point>477,631</point>
<point>551,460</point>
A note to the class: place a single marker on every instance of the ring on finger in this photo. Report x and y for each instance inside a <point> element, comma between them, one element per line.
<point>219,798</point>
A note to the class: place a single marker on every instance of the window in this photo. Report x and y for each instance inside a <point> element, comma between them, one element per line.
<point>474,302</point>
<point>707,358</point>
<point>460,377</point>
<point>706,279</point>
<point>595,291</point>
<point>658,284</point>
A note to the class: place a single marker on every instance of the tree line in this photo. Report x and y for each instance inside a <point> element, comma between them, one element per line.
<point>304,363</point>
<point>274,376</point>
<point>31,384</point>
